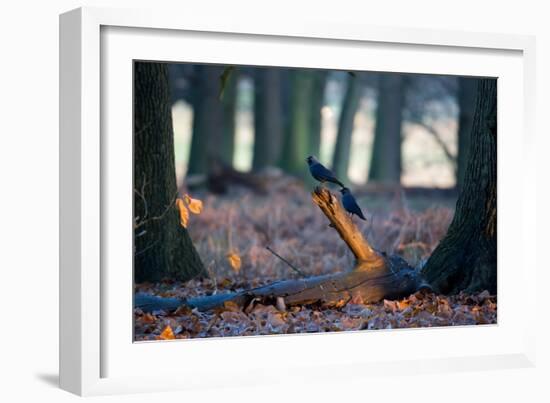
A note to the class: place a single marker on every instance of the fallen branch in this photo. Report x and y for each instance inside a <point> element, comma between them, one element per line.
<point>375,275</point>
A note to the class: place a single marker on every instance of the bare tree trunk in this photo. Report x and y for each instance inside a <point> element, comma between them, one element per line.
<point>207,119</point>
<point>467,93</point>
<point>162,247</point>
<point>229,105</point>
<point>268,118</point>
<point>317,103</point>
<point>342,149</point>
<point>181,76</point>
<point>296,145</point>
<point>385,164</point>
<point>466,258</point>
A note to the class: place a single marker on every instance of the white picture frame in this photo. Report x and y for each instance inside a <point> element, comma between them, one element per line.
<point>97,46</point>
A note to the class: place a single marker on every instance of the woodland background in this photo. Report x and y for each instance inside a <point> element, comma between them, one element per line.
<point>30,362</point>
<point>245,135</point>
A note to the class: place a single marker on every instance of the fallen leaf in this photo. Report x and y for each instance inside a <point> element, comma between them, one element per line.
<point>483,295</point>
<point>167,334</point>
<point>231,306</point>
<point>390,305</point>
<point>195,205</point>
<point>402,305</point>
<point>225,283</point>
<point>260,309</point>
<point>275,320</point>
<point>182,310</point>
<point>148,318</point>
<point>234,261</point>
<point>184,214</point>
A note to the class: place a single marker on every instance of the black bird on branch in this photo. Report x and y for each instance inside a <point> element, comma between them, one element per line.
<point>349,203</point>
<point>321,173</point>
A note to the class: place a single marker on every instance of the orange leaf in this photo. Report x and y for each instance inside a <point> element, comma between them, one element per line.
<point>184,214</point>
<point>231,306</point>
<point>167,334</point>
<point>148,318</point>
<point>195,205</point>
<point>234,261</point>
<point>402,305</point>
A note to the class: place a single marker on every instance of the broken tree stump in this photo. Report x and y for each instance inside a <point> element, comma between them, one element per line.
<point>374,277</point>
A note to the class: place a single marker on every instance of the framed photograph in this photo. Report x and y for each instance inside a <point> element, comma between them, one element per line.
<point>286,198</point>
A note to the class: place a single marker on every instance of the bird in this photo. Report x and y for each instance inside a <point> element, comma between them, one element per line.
<point>321,173</point>
<point>349,203</point>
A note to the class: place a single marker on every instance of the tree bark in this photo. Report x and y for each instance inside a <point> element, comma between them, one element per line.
<point>268,118</point>
<point>467,93</point>
<point>385,164</point>
<point>465,259</point>
<point>342,148</point>
<point>162,248</point>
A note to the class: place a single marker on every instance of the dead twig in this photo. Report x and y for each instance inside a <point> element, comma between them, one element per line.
<point>145,220</point>
<point>436,136</point>
<point>301,273</point>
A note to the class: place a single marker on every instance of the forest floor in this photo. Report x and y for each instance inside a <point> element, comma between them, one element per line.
<point>231,235</point>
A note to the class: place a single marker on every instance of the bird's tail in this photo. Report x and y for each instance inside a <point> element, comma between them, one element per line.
<point>361,216</point>
<point>339,183</point>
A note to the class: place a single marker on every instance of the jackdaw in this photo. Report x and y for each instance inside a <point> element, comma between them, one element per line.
<point>349,203</point>
<point>320,172</point>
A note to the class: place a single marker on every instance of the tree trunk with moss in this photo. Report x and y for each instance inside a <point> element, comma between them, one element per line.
<point>466,257</point>
<point>162,247</point>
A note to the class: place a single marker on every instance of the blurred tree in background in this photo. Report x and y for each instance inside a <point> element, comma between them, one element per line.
<point>297,142</point>
<point>385,164</point>
<point>341,156</point>
<point>268,117</point>
<point>295,112</point>
<point>213,119</point>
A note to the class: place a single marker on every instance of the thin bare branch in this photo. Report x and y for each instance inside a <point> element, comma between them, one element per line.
<point>156,218</point>
<point>437,137</point>
<point>301,273</point>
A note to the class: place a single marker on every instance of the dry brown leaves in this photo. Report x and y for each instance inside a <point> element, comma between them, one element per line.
<point>418,310</point>
<point>231,234</point>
